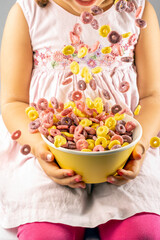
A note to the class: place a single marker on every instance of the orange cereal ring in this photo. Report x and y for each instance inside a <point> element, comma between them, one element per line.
<point>71,129</point>
<point>15,135</point>
<point>80,105</point>
<point>78,129</point>
<point>76,95</point>
<point>90,130</point>
<point>66,111</point>
<point>60,107</point>
<point>130,126</point>
<point>62,127</point>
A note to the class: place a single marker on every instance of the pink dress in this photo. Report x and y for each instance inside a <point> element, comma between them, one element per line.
<point>26,193</point>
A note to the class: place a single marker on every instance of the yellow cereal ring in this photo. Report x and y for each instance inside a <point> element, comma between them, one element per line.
<point>110,123</point>
<point>69,104</point>
<point>118,116</point>
<point>155,142</point>
<point>86,150</point>
<point>98,99</point>
<point>125,144</point>
<point>84,71</point>
<point>68,134</point>
<point>112,143</point>
<point>53,127</point>
<point>89,103</point>
<point>55,120</point>
<point>106,50</point>
<point>88,77</point>
<point>91,143</point>
<point>74,66</point>
<point>116,1</point>
<point>125,35</point>
<point>99,107</point>
<point>68,50</point>
<point>28,109</point>
<point>96,70</point>
<point>85,122</point>
<point>137,110</point>
<point>82,52</point>
<point>95,125</point>
<point>104,30</point>
<point>102,131</point>
<point>50,104</point>
<point>101,141</point>
<point>33,114</point>
<point>78,113</point>
<point>59,141</point>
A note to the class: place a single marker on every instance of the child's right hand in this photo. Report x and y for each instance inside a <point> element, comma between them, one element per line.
<point>61,176</point>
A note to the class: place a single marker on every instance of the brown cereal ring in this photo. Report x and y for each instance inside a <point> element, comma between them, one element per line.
<point>127,138</point>
<point>54,102</point>
<point>81,85</point>
<point>25,149</point>
<point>86,17</point>
<point>96,10</point>
<point>95,24</point>
<point>114,37</point>
<point>93,84</point>
<point>66,121</point>
<point>76,95</point>
<point>42,104</point>
<point>16,134</point>
<point>106,94</point>
<point>80,105</point>
<point>124,86</point>
<point>116,108</point>
<point>140,23</point>
<point>120,128</point>
<point>127,59</point>
<point>115,147</point>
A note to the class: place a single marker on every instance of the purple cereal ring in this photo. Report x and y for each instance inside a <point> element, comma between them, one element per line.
<point>81,85</point>
<point>50,138</point>
<point>55,132</point>
<point>120,128</point>
<point>86,17</point>
<point>130,126</point>
<point>121,122</point>
<point>90,130</point>
<point>43,131</point>
<point>114,37</point>
<point>106,94</point>
<point>75,119</point>
<point>96,10</point>
<point>15,135</point>
<point>34,124</point>
<point>54,102</point>
<point>25,149</point>
<point>76,95</point>
<point>140,23</point>
<point>124,86</point>
<point>95,24</point>
<point>77,29</point>
<point>127,59</point>
<point>71,145</point>
<point>130,7</point>
<point>93,84</point>
<point>121,6</point>
<point>127,138</point>
<point>42,104</point>
<point>111,133</point>
<point>94,120</point>
<point>98,148</point>
<point>116,108</point>
<point>66,121</point>
<point>67,81</point>
<point>116,147</point>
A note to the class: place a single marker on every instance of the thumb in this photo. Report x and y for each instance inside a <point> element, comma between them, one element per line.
<point>138,151</point>
<point>44,153</point>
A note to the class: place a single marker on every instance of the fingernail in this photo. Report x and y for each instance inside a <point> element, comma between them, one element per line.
<point>82,185</point>
<point>69,174</point>
<point>110,180</point>
<point>77,180</point>
<point>49,157</point>
<point>120,173</point>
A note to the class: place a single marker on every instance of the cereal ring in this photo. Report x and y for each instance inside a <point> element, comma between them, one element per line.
<point>77,29</point>
<point>66,111</point>
<point>67,81</point>
<point>121,6</point>
<point>55,132</point>
<point>110,123</point>
<point>94,120</point>
<point>94,47</point>
<point>106,107</point>
<point>54,102</point>
<point>78,136</point>
<point>85,122</point>
<point>102,131</point>
<point>70,96</point>
<point>74,66</point>
<point>112,143</point>
<point>98,148</point>
<point>127,59</point>
<point>50,138</point>
<point>124,86</point>
<point>96,70</point>
<point>137,110</point>
<point>82,52</point>
<point>25,149</point>
<point>43,131</point>
<point>114,37</point>
<point>120,128</point>
<point>29,109</point>
<point>81,144</point>
<point>86,17</point>
<point>42,104</point>
<point>140,23</point>
<point>132,39</point>
<point>71,145</point>
<point>115,147</point>
<point>106,94</point>
<point>104,30</point>
<point>127,138</point>
<point>76,95</point>
<point>68,74</point>
<point>106,50</point>
<point>74,118</point>
<point>91,143</point>
<point>117,137</point>
<point>155,142</point>
<point>69,104</point>
<point>34,124</point>
<point>126,35</point>
<point>60,107</point>
<point>78,129</point>
<point>138,11</point>
<point>71,129</point>
<point>119,116</point>
<point>95,24</point>
<point>130,126</point>
<point>33,115</point>
<point>16,134</point>
<point>85,134</point>
<point>63,127</point>
<point>86,150</point>
<point>101,141</point>
<point>90,130</point>
<point>96,10</point>
<point>116,108</point>
<point>130,7</point>
<point>68,50</point>
<point>81,85</point>
<point>33,105</point>
<point>59,141</point>
<point>125,144</point>
<point>80,105</point>
<point>111,133</point>
<point>66,121</point>
<point>75,39</point>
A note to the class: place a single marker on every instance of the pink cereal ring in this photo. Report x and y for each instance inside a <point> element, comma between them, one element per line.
<point>93,84</point>
<point>15,135</point>
<point>90,130</point>
<point>80,105</point>
<point>33,105</point>
<point>75,119</point>
<point>106,94</point>
<point>117,137</point>
<point>94,120</point>
<point>75,39</point>
<point>96,10</point>
<point>54,102</point>
<point>66,81</point>
<point>86,17</point>
<point>81,144</point>
<point>63,127</point>
<point>76,95</point>
<point>77,29</point>
<point>94,47</point>
<point>60,107</point>
<point>130,126</point>
<point>78,136</point>
<point>130,7</point>
<point>71,129</point>
<point>34,125</point>
<point>78,129</point>
<point>95,24</point>
<point>55,132</point>
<point>132,39</point>
<point>98,148</point>
<point>66,111</point>
<point>124,86</point>
<point>25,149</point>
<point>50,138</point>
<point>42,104</point>
<point>138,11</point>
<point>43,131</point>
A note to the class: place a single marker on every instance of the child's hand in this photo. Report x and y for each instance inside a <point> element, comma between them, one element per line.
<point>61,176</point>
<point>131,170</point>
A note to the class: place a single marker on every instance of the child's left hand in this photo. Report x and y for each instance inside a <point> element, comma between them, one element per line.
<point>130,171</point>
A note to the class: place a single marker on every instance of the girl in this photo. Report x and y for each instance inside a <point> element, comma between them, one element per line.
<point>42,200</point>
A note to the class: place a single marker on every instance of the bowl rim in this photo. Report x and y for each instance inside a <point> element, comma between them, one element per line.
<point>107,152</point>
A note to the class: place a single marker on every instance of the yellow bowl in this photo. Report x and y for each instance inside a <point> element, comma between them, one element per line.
<point>94,167</point>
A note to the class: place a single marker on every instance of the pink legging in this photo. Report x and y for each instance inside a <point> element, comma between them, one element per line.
<point>142,226</point>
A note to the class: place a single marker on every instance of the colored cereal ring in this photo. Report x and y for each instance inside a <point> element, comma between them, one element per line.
<point>127,59</point>
<point>43,131</point>
<point>140,23</point>
<point>113,143</point>
<point>85,122</point>
<point>91,143</point>
<point>132,39</point>
<point>29,109</point>
<point>69,104</point>
<point>34,124</point>
<point>67,81</point>
<point>66,121</point>
<point>117,137</point>
<point>110,123</point>
<point>94,47</point>
<point>90,130</point>
<point>50,138</point>
<point>71,145</point>
<point>86,150</point>
<point>84,71</point>
<point>89,103</point>
<point>42,104</point>
<point>33,115</point>
<point>96,70</point>
<point>81,85</point>
<point>101,141</point>
<point>116,108</point>
<point>106,50</point>
<point>115,147</point>
<point>121,6</point>
<point>76,95</point>
<point>155,142</point>
<point>130,126</point>
<point>54,102</point>
<point>75,39</point>
<point>71,129</point>
<point>81,144</point>
<point>80,105</point>
<point>125,144</point>
<point>74,66</point>
<point>114,37</point>
<point>127,138</point>
<point>126,35</point>
<point>137,110</point>
<point>78,129</point>
<point>138,11</point>
<point>66,111</point>
<point>85,134</point>
<point>25,149</point>
<point>98,148</point>
<point>16,134</point>
<point>59,141</point>
<point>96,10</point>
<point>68,74</point>
<point>102,131</point>
<point>82,52</point>
<point>78,136</point>
<point>120,128</point>
<point>124,86</point>
<point>74,118</point>
<point>95,24</point>
<point>93,84</point>
<point>86,17</point>
<point>104,30</point>
<point>78,113</point>
<point>68,50</point>
<point>77,29</point>
<point>70,96</point>
<point>55,132</point>
<point>111,133</point>
<point>119,116</point>
<point>130,7</point>
<point>33,105</point>
<point>60,107</point>
<point>63,127</point>
<point>106,94</point>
